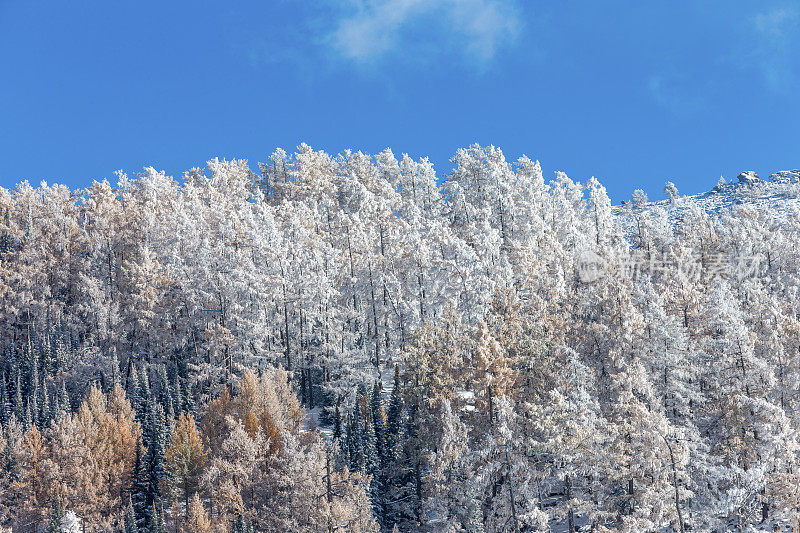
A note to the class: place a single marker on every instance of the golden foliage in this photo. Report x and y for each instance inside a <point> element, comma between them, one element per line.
<point>271,432</point>
<point>107,428</point>
<point>185,458</point>
<point>251,424</point>
<point>197,521</point>
<point>32,458</point>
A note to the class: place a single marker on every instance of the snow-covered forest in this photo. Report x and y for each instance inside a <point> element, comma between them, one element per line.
<point>345,343</point>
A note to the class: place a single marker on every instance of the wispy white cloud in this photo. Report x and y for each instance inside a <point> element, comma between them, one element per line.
<point>776,22</point>
<point>758,47</point>
<point>658,90</point>
<point>369,30</point>
<point>774,46</point>
<point>673,90</point>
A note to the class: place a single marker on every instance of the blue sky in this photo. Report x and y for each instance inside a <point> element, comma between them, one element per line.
<point>631,92</point>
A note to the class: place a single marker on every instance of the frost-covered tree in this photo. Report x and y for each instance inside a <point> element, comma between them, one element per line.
<point>639,199</point>
<point>671,191</point>
<point>364,346</point>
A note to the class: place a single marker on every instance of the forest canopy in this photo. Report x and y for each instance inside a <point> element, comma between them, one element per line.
<point>347,343</point>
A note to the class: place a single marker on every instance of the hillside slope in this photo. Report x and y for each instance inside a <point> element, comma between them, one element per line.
<point>777,197</point>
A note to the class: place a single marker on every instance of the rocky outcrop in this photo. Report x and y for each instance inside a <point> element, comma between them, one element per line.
<point>749,177</point>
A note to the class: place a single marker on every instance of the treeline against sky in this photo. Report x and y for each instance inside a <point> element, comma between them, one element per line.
<point>494,352</point>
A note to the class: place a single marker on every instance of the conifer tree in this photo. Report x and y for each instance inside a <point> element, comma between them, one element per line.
<point>130,519</point>
<point>367,432</point>
<point>31,457</point>
<point>139,487</point>
<point>378,421</point>
<point>56,516</point>
<point>141,398</point>
<point>63,399</point>
<point>241,525</point>
<point>355,440</point>
<point>28,420</point>
<point>157,524</point>
<point>133,394</point>
<point>45,409</point>
<point>197,520</point>
<point>188,404</point>
<point>154,461</point>
<point>5,407</point>
<point>8,460</point>
<point>392,481</point>
<point>108,430</point>
<point>337,423</point>
<point>33,392</point>
<point>115,377</point>
<point>475,521</point>
<point>185,458</point>
<point>19,407</point>
<point>55,409</point>
<point>394,420</point>
<point>177,395</point>
<point>164,392</point>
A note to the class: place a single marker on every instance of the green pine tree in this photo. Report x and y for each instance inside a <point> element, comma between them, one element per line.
<point>394,421</point>
<point>155,461</point>
<point>355,440</point>
<point>55,410</point>
<point>33,391</point>
<point>157,524</point>
<point>5,406</point>
<point>60,355</point>
<point>27,420</point>
<point>63,399</point>
<point>475,523</point>
<point>398,477</point>
<point>242,525</point>
<point>19,406</point>
<point>337,423</point>
<point>165,392</point>
<point>140,397</point>
<point>115,377</point>
<point>133,393</point>
<point>368,445</point>
<point>144,386</point>
<point>139,488</point>
<point>177,395</point>
<point>378,421</point>
<point>56,516</point>
<point>188,398</point>
<point>130,519</point>
<point>45,410</point>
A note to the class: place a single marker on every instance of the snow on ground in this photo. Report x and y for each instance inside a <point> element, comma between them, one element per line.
<point>313,422</point>
<point>779,194</point>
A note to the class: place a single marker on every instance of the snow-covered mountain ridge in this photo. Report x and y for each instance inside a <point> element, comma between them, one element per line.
<point>776,197</point>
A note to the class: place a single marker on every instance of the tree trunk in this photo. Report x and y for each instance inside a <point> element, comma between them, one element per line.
<point>675,485</point>
<point>286,334</point>
<point>310,390</point>
<point>511,493</point>
<point>374,318</point>
<point>328,491</point>
<point>418,486</point>
<point>570,514</point>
